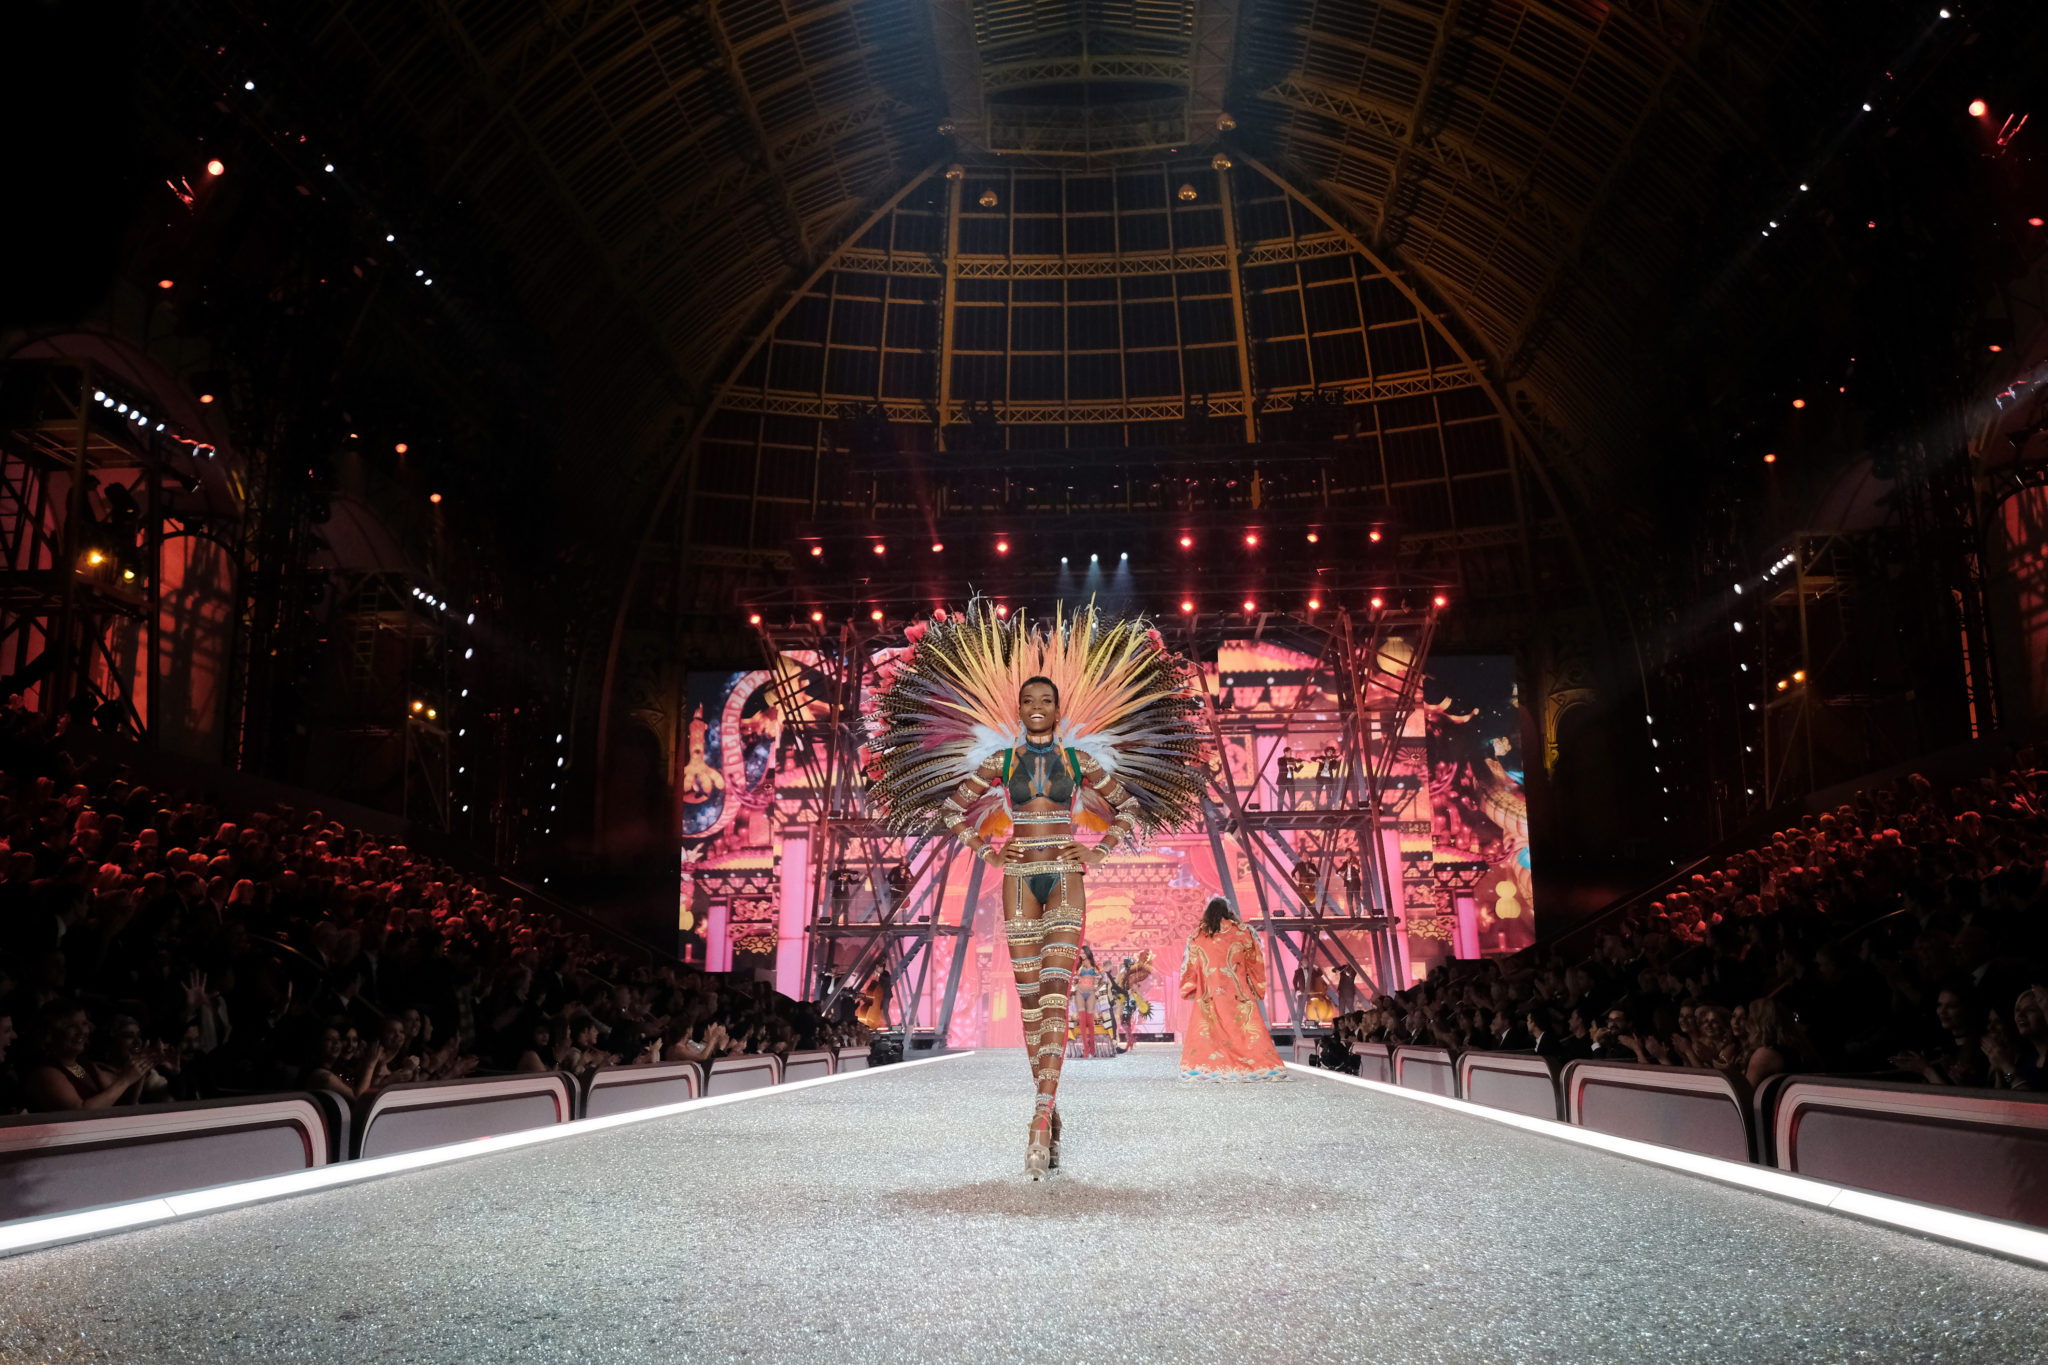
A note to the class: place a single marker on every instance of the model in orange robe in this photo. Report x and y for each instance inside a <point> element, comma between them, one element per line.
<point>1225,977</point>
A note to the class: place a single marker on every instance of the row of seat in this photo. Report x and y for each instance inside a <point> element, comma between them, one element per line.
<point>59,1163</point>
<point>1978,1151</point>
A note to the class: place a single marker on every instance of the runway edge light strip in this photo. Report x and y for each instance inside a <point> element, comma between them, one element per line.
<point>33,1234</point>
<point>1947,1225</point>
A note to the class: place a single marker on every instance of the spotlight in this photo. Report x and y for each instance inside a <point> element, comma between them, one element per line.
<point>206,398</point>
<point>432,714</point>
<point>878,547</point>
<point>938,545</point>
<point>2034,222</point>
<point>248,85</point>
<point>1063,559</point>
<point>1002,547</point>
<point>1125,555</point>
<point>419,706</point>
<point>1783,684</point>
<point>1250,606</point>
<point>1799,675</point>
<point>1186,607</point>
<point>1315,604</point>
<point>127,575</point>
<point>817,616</point>
<point>1978,108</point>
<point>1002,610</point>
<point>95,557</point>
<point>1373,535</point>
<point>1187,542</point>
<point>1313,537</point>
<point>434,497</point>
<point>1440,600</point>
<point>1996,348</point>
<point>754,619</point>
<point>165,284</point>
<point>401,447</point>
<point>1799,402</point>
<point>1251,539</point>
<point>817,551</point>
<point>1094,559</point>
<point>330,168</point>
<point>1768,459</point>
<point>875,615</point>
<point>215,168</point>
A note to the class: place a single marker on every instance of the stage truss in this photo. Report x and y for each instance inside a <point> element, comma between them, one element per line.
<point>1307,851</point>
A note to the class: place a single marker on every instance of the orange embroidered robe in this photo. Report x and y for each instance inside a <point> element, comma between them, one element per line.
<point>1225,976</point>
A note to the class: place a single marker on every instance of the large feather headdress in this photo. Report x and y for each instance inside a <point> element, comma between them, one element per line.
<point>950,700</point>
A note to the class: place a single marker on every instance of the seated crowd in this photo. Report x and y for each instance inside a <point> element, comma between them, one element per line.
<point>1903,936</point>
<point>152,950</point>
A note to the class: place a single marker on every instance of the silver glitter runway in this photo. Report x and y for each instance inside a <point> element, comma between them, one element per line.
<point>886,1219</point>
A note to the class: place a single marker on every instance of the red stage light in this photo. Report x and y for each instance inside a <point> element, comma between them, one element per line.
<point>401,447</point>
<point>1378,602</point>
<point>817,551</point>
<point>1799,402</point>
<point>875,615</point>
<point>817,616</point>
<point>1996,348</point>
<point>1313,537</point>
<point>1770,459</point>
<point>165,284</point>
<point>1186,607</point>
<point>1002,610</point>
<point>878,547</point>
<point>1002,547</point>
<point>1251,538</point>
<point>1373,535</point>
<point>1187,542</point>
<point>434,497</point>
<point>1250,606</point>
<point>1441,600</point>
<point>755,619</point>
<point>938,545</point>
<point>215,168</point>
<point>206,398</point>
<point>2033,222</point>
<point>1315,604</point>
<point>1978,108</point>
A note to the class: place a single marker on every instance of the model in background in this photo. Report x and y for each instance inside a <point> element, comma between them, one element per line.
<point>987,726</point>
<point>1225,976</point>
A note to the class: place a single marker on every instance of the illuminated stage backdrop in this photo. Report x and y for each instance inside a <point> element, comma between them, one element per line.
<point>1460,836</point>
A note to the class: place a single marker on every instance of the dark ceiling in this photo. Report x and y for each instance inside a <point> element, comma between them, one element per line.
<point>663,172</point>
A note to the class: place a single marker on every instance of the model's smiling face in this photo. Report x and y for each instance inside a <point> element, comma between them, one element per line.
<point>1038,708</point>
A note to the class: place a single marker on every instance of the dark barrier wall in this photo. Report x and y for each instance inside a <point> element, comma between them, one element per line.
<point>405,1118</point>
<point>1375,1062</point>
<point>1519,1082</point>
<point>57,1163</point>
<point>807,1066</point>
<point>1674,1106</point>
<point>622,1089</point>
<point>731,1075</point>
<point>1426,1068</point>
<point>1981,1151</point>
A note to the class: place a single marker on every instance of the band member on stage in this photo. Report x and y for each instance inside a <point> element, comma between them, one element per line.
<point>874,1003</point>
<point>968,731</point>
<point>1225,976</point>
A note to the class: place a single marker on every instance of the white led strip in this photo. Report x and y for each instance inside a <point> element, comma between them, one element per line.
<point>1966,1229</point>
<point>29,1234</point>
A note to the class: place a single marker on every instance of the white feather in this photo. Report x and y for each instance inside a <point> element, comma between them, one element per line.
<point>987,742</point>
<point>1098,747</point>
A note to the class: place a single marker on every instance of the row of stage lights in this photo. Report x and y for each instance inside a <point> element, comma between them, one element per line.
<point>1252,540</point>
<point>1250,607</point>
<point>140,418</point>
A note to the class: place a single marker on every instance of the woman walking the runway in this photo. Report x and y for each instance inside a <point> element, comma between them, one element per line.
<point>1225,976</point>
<point>988,726</point>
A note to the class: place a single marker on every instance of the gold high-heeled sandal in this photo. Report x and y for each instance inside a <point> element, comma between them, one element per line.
<point>1038,1152</point>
